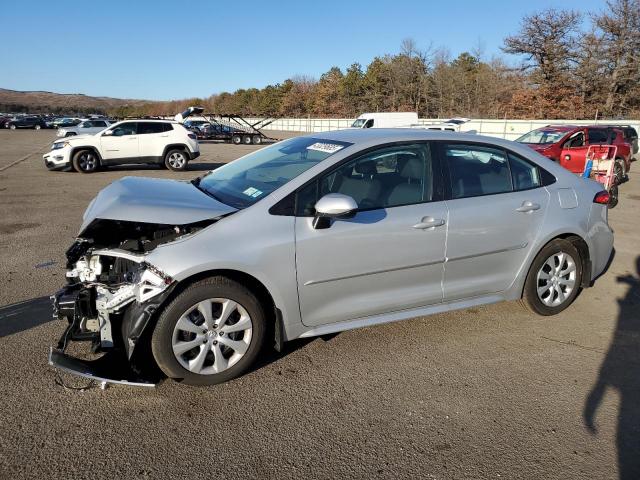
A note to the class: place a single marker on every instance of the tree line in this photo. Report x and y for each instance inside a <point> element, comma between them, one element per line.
<point>558,64</point>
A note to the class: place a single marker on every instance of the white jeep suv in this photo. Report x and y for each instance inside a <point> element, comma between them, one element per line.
<point>159,142</point>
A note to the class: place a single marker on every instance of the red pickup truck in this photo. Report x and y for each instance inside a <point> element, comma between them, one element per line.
<point>568,145</point>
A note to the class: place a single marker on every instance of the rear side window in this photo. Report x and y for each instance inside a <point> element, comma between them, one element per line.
<point>145,128</point>
<point>524,175</point>
<point>598,135</point>
<point>476,170</point>
<point>167,127</point>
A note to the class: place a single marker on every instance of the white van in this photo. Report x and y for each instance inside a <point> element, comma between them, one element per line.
<point>386,120</point>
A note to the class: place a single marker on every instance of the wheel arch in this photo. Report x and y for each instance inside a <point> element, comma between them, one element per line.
<point>249,281</point>
<point>583,250</point>
<point>176,146</point>
<point>75,150</point>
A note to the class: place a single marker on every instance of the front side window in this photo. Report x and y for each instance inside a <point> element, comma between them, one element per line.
<point>575,141</point>
<point>124,129</point>
<point>388,177</point>
<point>243,182</point>
<point>476,170</point>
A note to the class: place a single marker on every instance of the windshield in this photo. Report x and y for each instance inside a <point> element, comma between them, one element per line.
<point>245,181</point>
<point>358,123</point>
<point>541,137</point>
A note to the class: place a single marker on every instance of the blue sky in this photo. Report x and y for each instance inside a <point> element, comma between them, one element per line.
<point>177,49</point>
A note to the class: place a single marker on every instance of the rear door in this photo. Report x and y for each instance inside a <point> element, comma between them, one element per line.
<point>151,138</point>
<point>497,204</point>
<point>390,255</point>
<point>574,152</point>
<point>122,145</point>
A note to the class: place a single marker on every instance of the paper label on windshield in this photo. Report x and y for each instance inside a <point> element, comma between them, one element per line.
<point>325,147</point>
<point>253,192</point>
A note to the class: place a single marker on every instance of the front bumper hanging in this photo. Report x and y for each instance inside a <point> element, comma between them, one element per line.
<point>101,370</point>
<point>112,367</point>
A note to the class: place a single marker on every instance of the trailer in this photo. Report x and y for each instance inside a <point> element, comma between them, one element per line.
<point>235,129</point>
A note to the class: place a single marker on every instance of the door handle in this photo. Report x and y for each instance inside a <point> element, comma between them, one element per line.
<point>528,207</point>
<point>132,138</point>
<point>429,222</point>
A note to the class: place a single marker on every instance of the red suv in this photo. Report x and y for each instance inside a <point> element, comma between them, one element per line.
<point>568,145</point>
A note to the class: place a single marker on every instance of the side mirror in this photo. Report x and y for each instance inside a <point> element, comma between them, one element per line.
<point>333,205</point>
<point>107,133</point>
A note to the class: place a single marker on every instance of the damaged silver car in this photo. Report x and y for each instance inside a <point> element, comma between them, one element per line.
<point>316,235</point>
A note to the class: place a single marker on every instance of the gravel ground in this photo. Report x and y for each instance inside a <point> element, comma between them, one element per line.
<point>491,392</point>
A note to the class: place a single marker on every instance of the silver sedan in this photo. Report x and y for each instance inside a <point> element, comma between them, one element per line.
<point>323,233</point>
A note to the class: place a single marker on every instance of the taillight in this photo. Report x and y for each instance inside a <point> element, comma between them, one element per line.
<point>192,135</point>
<point>602,198</point>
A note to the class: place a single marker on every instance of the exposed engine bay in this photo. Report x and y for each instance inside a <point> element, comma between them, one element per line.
<point>111,291</point>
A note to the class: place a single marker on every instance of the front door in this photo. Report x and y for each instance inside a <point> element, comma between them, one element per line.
<point>496,207</point>
<point>388,257</point>
<point>574,152</point>
<point>121,145</point>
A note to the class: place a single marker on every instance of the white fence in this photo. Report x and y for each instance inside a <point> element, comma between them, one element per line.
<point>509,129</point>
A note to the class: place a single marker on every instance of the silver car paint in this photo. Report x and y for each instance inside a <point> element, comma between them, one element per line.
<point>373,269</point>
<point>153,200</point>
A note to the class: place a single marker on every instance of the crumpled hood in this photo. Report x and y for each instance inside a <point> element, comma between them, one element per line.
<point>153,200</point>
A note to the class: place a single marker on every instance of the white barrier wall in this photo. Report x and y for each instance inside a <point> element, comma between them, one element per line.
<point>509,129</point>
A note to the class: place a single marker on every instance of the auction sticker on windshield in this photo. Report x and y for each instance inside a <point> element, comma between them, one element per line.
<point>325,147</point>
<point>252,192</point>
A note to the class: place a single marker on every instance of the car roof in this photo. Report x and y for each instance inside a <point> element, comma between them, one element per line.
<point>380,135</point>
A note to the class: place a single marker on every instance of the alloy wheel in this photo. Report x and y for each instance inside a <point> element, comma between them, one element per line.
<point>88,162</point>
<point>177,160</point>
<point>556,279</point>
<point>212,336</point>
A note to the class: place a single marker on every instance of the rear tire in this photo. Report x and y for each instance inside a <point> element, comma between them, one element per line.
<point>183,321</point>
<point>256,139</point>
<point>554,279</point>
<point>176,160</point>
<point>246,139</point>
<point>618,169</point>
<point>85,161</point>
<point>236,139</point>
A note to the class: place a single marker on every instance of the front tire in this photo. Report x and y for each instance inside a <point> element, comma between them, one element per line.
<point>554,278</point>
<point>12,127</point>
<point>176,160</point>
<point>37,127</point>
<point>211,333</point>
<point>85,161</point>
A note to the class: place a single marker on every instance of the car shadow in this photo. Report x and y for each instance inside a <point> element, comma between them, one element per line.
<point>25,315</point>
<point>620,370</point>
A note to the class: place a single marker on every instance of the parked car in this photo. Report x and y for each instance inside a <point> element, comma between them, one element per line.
<point>385,120</point>
<point>195,125</point>
<point>65,122</point>
<point>85,127</point>
<point>25,122</point>
<point>568,145</point>
<point>3,121</point>
<point>630,136</point>
<point>129,142</point>
<point>323,233</point>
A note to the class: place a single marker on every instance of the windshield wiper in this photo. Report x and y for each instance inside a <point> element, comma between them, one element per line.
<point>196,183</point>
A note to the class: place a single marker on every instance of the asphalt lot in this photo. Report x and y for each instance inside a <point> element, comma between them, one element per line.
<point>492,392</point>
